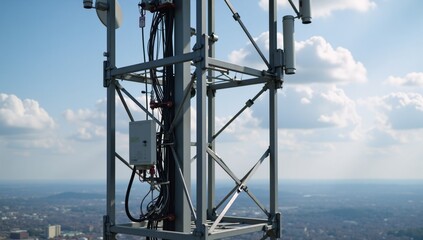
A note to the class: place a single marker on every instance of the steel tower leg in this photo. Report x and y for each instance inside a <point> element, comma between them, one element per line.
<point>183,126</point>
<point>211,116</point>
<point>201,46</point>
<point>273,119</point>
<point>109,83</point>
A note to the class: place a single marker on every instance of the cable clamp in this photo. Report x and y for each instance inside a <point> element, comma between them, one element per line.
<point>249,103</point>
<point>106,225</point>
<point>236,16</point>
<point>107,76</point>
<point>197,46</point>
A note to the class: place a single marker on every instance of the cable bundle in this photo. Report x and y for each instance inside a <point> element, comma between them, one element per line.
<point>155,208</point>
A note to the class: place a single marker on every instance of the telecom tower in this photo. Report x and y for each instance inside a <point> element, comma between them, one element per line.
<point>160,146</point>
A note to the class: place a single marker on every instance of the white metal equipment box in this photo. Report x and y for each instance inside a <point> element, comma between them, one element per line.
<point>142,143</point>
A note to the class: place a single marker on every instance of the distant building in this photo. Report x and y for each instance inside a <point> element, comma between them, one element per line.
<point>90,228</point>
<point>53,231</point>
<point>19,234</point>
<point>72,234</point>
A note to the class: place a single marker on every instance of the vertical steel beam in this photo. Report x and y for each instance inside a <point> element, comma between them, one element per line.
<point>211,114</point>
<point>273,157</point>
<point>183,125</point>
<point>111,121</point>
<point>273,114</point>
<point>201,46</point>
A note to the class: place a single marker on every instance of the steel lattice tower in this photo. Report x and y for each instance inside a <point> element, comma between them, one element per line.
<point>206,218</point>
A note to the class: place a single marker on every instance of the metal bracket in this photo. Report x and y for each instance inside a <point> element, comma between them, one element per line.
<point>211,92</point>
<point>276,82</point>
<point>203,51</point>
<point>213,38</point>
<point>278,58</point>
<point>211,214</point>
<point>276,226</point>
<point>197,46</point>
<point>107,234</point>
<point>107,75</point>
<point>200,231</point>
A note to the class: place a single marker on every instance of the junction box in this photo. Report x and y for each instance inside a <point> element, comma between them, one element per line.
<point>142,143</point>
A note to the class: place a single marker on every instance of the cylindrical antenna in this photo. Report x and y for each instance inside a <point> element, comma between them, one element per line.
<point>305,11</point>
<point>288,44</point>
<point>88,4</point>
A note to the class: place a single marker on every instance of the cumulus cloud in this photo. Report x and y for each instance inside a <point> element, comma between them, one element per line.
<point>329,107</point>
<point>411,79</point>
<point>248,55</point>
<point>398,111</point>
<point>26,127</point>
<point>405,110</point>
<point>303,107</point>
<point>317,61</point>
<point>345,112</point>
<point>324,8</point>
<point>393,120</point>
<point>90,123</point>
<point>17,115</point>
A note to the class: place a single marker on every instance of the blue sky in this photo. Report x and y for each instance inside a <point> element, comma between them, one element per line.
<point>353,110</point>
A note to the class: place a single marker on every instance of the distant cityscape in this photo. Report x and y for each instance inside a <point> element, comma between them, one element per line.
<point>310,210</point>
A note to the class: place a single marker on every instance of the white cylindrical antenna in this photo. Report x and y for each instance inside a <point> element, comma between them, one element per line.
<point>88,4</point>
<point>288,44</point>
<point>305,11</point>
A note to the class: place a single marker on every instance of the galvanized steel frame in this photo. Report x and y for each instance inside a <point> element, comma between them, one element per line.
<point>205,224</point>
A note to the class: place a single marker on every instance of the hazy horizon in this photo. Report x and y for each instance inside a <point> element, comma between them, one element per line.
<point>353,110</point>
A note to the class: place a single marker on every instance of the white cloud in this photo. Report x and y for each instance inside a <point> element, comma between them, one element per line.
<point>395,119</point>
<point>324,8</point>
<point>345,112</point>
<point>26,128</point>
<point>411,79</point>
<point>81,116</point>
<point>90,123</point>
<point>248,55</point>
<point>17,116</point>
<point>316,113</point>
<point>405,110</point>
<point>317,61</point>
<point>391,121</point>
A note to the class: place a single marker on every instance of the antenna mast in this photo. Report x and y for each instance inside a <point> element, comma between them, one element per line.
<point>160,146</point>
